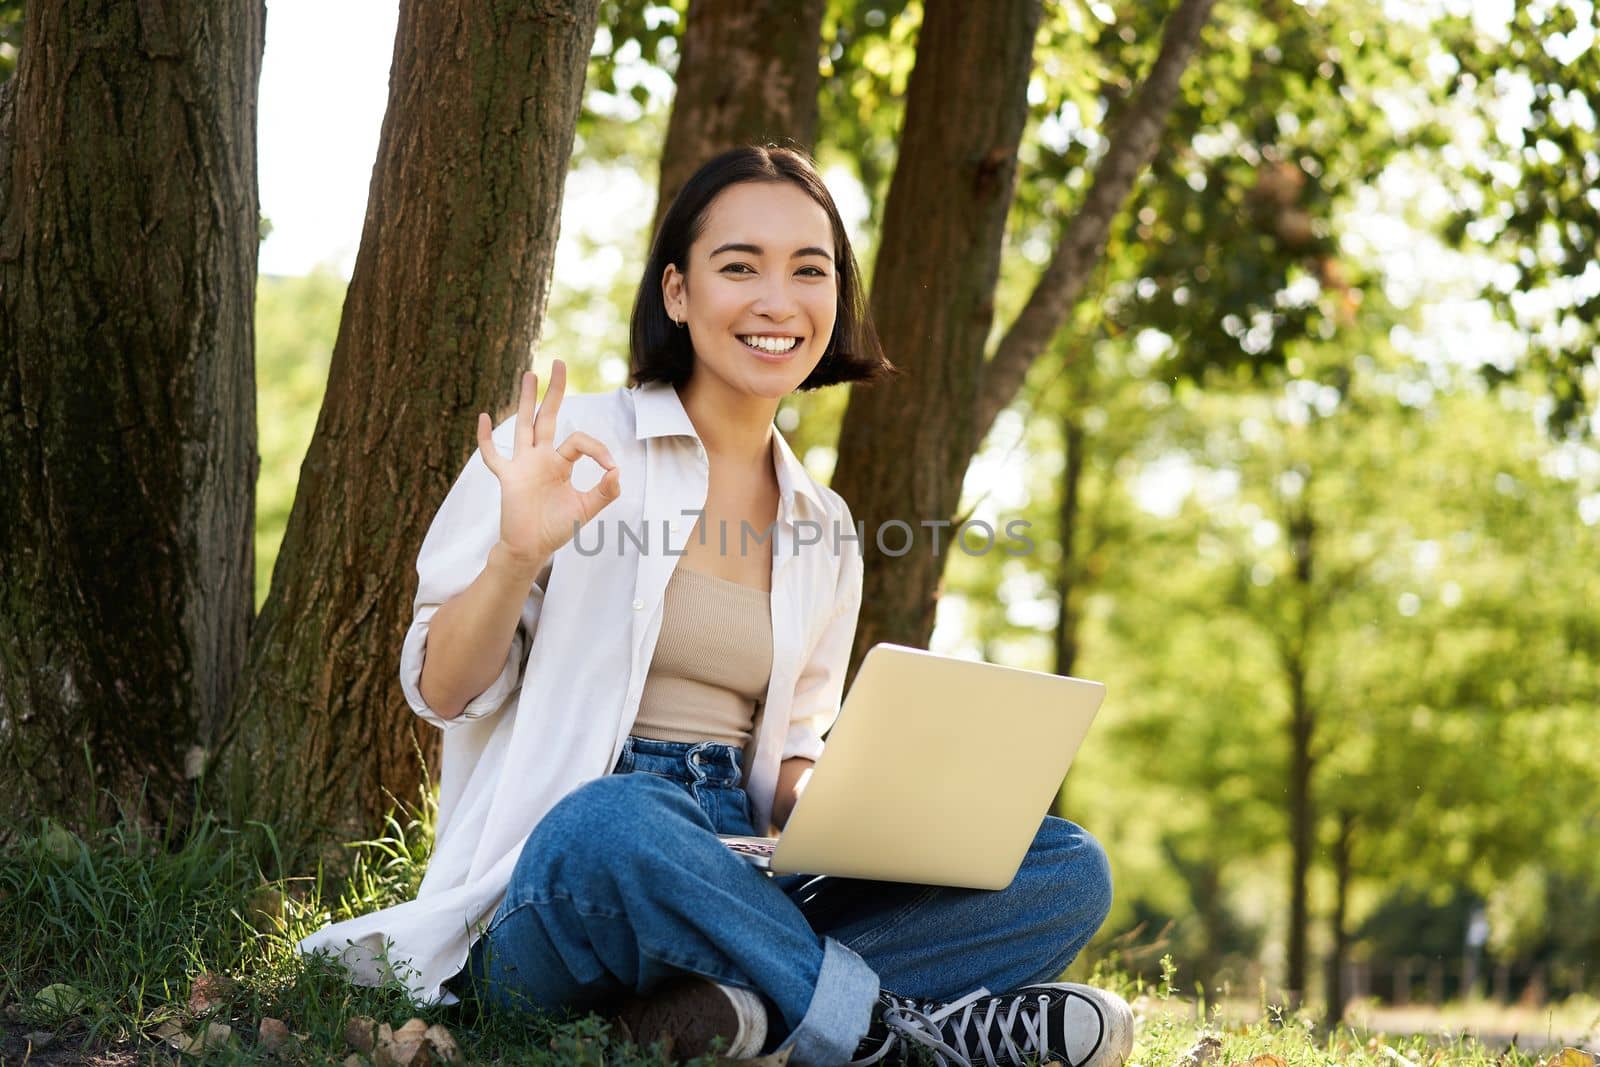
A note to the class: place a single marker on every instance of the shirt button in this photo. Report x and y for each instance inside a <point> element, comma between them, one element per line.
<point>637,604</point>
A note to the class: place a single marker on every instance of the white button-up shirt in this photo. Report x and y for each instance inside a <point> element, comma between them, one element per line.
<point>559,712</point>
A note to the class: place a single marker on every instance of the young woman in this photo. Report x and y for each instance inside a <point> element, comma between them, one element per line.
<point>631,651</point>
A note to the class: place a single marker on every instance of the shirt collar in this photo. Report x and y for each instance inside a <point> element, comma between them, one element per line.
<point>658,412</point>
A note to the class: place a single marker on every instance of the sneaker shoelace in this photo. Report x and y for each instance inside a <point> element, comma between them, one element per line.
<point>1031,1010</point>
<point>910,1024</point>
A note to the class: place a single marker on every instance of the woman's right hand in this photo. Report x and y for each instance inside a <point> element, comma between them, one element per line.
<point>539,509</point>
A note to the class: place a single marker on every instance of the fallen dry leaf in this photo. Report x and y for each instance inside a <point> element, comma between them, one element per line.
<point>416,1053</point>
<point>1201,1052</point>
<point>405,1047</point>
<point>272,1034</point>
<point>55,1002</point>
<point>361,1034</point>
<point>1571,1057</point>
<point>209,1038</point>
<point>444,1044</point>
<point>209,992</point>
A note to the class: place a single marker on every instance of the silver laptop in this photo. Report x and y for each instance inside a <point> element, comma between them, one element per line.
<point>938,771</point>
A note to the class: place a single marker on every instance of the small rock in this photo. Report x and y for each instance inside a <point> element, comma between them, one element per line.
<point>209,992</point>
<point>271,1034</point>
<point>354,1060</point>
<point>39,1040</point>
<point>361,1034</point>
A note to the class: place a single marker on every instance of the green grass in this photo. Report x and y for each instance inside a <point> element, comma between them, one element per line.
<point>129,919</point>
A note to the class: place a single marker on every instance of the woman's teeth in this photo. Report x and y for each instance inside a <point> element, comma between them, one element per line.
<point>771,344</point>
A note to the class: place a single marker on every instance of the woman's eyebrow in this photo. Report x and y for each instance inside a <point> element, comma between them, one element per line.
<point>756,250</point>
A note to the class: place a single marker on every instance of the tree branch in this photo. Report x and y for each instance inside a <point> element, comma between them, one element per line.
<point>1133,143</point>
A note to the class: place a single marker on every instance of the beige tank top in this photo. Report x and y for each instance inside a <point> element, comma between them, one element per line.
<point>712,661</point>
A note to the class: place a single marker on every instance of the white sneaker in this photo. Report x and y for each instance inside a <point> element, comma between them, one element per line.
<point>686,1013</point>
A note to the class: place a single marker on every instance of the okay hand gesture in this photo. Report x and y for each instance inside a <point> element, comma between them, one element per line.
<point>539,509</point>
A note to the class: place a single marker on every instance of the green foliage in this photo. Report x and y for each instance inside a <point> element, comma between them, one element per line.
<point>297,322</point>
<point>10,36</point>
<point>108,933</point>
<point>1526,191</point>
<point>868,50</point>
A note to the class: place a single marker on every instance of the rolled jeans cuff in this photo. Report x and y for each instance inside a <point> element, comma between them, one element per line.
<point>840,1011</point>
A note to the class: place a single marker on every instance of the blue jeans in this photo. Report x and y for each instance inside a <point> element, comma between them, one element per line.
<point>623,884</point>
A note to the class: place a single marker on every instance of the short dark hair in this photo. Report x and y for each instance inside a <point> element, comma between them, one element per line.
<point>660,351</point>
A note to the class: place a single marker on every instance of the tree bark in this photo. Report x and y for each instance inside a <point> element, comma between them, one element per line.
<point>129,223</point>
<point>747,74</point>
<point>440,320</point>
<point>903,449</point>
<point>1132,144</point>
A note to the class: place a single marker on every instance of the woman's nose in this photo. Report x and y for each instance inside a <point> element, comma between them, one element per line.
<point>775,300</point>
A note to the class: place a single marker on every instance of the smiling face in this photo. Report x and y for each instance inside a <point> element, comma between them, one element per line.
<point>759,294</point>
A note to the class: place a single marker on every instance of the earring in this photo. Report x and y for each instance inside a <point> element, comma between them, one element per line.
<point>677,322</point>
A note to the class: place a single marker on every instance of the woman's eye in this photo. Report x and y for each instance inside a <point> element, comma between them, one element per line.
<point>737,268</point>
<point>813,272</point>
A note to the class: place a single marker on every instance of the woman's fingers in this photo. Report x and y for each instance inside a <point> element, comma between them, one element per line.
<point>579,443</point>
<point>486,449</point>
<point>526,395</point>
<point>544,423</point>
<point>607,489</point>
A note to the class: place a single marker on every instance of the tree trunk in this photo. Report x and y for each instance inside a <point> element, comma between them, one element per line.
<point>747,74</point>
<point>1302,762</point>
<point>1337,994</point>
<point>1068,570</point>
<point>439,322</point>
<point>129,223</point>
<point>904,447</point>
